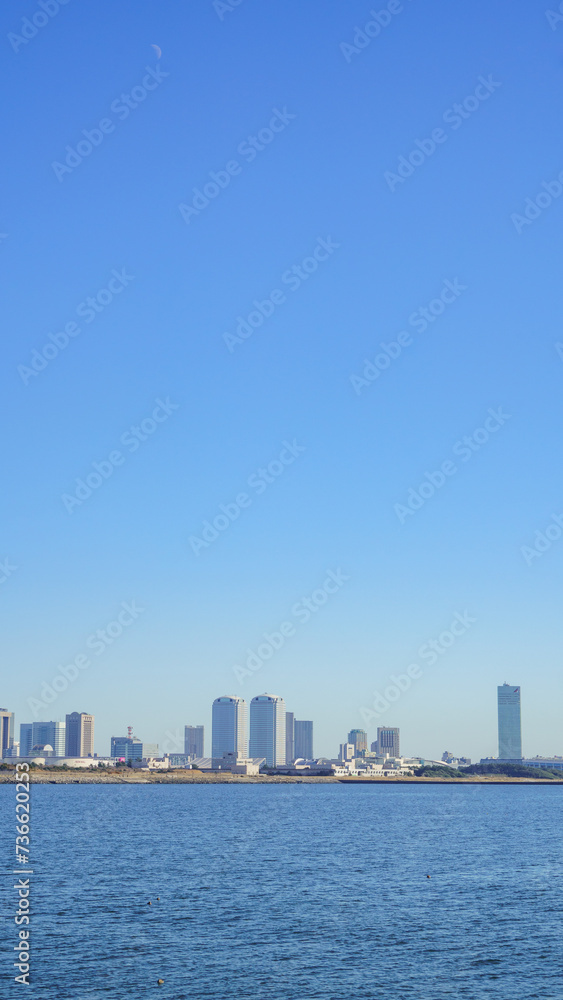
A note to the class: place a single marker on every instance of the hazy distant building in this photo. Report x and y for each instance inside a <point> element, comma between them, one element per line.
<point>303,739</point>
<point>193,741</point>
<point>229,727</point>
<point>268,729</point>
<point>388,741</point>
<point>359,738</point>
<point>373,746</point>
<point>509,723</point>
<point>79,737</point>
<point>26,738</point>
<point>128,748</point>
<point>6,730</point>
<point>52,733</point>
<point>289,737</point>
<point>347,751</point>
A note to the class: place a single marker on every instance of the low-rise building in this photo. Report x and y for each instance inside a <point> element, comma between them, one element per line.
<point>152,764</point>
<point>237,763</point>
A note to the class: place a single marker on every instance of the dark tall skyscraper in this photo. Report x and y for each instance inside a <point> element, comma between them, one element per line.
<point>193,741</point>
<point>303,739</point>
<point>79,737</point>
<point>509,724</point>
<point>289,737</point>
<point>6,730</point>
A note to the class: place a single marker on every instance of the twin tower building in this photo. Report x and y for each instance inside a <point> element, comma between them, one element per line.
<point>275,735</point>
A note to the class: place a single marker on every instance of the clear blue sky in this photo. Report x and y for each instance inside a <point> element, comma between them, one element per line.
<point>322,175</point>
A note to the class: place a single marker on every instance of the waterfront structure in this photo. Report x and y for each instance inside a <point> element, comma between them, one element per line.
<point>229,727</point>
<point>289,737</point>
<point>79,738</point>
<point>127,748</point>
<point>509,723</point>
<point>359,738</point>
<point>6,730</point>
<point>388,741</point>
<point>303,739</point>
<point>553,763</point>
<point>193,741</point>
<point>268,729</point>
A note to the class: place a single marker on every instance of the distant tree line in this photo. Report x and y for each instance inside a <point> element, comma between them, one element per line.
<point>508,770</point>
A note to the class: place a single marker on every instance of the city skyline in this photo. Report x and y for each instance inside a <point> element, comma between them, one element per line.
<point>275,731</point>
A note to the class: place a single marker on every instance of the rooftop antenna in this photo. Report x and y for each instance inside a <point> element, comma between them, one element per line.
<point>129,732</point>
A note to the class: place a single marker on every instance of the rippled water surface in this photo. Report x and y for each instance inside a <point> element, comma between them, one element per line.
<point>290,892</point>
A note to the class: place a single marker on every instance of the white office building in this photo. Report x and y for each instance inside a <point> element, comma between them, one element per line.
<point>229,727</point>
<point>509,724</point>
<point>268,729</point>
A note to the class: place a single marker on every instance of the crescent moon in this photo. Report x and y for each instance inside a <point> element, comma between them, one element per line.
<point>157,50</point>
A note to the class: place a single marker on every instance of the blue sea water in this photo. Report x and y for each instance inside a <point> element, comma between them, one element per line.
<point>289,892</point>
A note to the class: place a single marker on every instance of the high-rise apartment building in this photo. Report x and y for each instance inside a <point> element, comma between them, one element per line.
<point>229,727</point>
<point>303,739</point>
<point>79,740</point>
<point>290,754</point>
<point>359,738</point>
<point>268,729</point>
<point>388,741</point>
<point>509,723</point>
<point>193,741</point>
<point>6,730</point>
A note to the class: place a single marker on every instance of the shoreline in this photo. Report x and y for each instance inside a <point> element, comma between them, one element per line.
<point>71,777</point>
